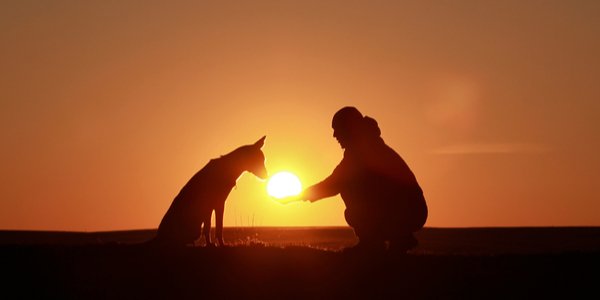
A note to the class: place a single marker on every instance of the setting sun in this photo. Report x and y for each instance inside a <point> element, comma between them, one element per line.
<point>284,184</point>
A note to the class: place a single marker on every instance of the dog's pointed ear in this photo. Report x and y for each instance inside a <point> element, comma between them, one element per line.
<point>260,143</point>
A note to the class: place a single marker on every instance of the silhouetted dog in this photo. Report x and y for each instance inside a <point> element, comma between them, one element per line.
<point>205,192</point>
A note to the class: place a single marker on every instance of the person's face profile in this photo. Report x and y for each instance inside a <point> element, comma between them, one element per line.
<point>342,137</point>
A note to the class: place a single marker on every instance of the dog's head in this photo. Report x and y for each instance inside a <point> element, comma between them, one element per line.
<point>255,159</point>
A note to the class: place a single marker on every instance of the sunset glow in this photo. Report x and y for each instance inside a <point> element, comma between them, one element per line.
<point>107,109</point>
<point>284,184</point>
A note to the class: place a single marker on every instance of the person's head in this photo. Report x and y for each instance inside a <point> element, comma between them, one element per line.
<point>346,123</point>
<point>350,127</point>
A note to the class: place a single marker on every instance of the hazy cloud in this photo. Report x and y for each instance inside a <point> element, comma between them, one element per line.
<point>492,148</point>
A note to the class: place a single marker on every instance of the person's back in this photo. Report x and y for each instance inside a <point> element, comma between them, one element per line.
<point>382,194</point>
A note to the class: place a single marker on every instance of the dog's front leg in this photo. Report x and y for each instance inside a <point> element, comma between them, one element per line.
<point>206,230</point>
<point>219,211</point>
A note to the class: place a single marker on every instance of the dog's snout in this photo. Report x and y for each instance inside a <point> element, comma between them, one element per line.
<point>263,174</point>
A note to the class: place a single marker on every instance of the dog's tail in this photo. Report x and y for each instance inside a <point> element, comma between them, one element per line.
<point>155,241</point>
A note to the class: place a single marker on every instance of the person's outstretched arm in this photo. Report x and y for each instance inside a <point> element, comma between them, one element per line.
<point>329,187</point>
<point>323,189</point>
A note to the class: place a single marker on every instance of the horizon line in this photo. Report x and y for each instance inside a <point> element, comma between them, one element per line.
<point>305,227</point>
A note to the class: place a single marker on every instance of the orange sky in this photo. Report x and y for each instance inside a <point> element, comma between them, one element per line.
<point>108,108</point>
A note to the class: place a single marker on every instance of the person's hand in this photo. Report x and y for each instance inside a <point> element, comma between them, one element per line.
<point>289,199</point>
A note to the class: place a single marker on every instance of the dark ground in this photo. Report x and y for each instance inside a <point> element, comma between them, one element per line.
<point>448,264</point>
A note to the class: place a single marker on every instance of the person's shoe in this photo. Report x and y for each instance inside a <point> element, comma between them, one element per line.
<point>405,244</point>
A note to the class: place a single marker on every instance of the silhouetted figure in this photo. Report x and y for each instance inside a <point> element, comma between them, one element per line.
<point>205,192</point>
<point>383,200</point>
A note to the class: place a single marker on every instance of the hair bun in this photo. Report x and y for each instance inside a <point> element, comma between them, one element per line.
<point>371,127</point>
